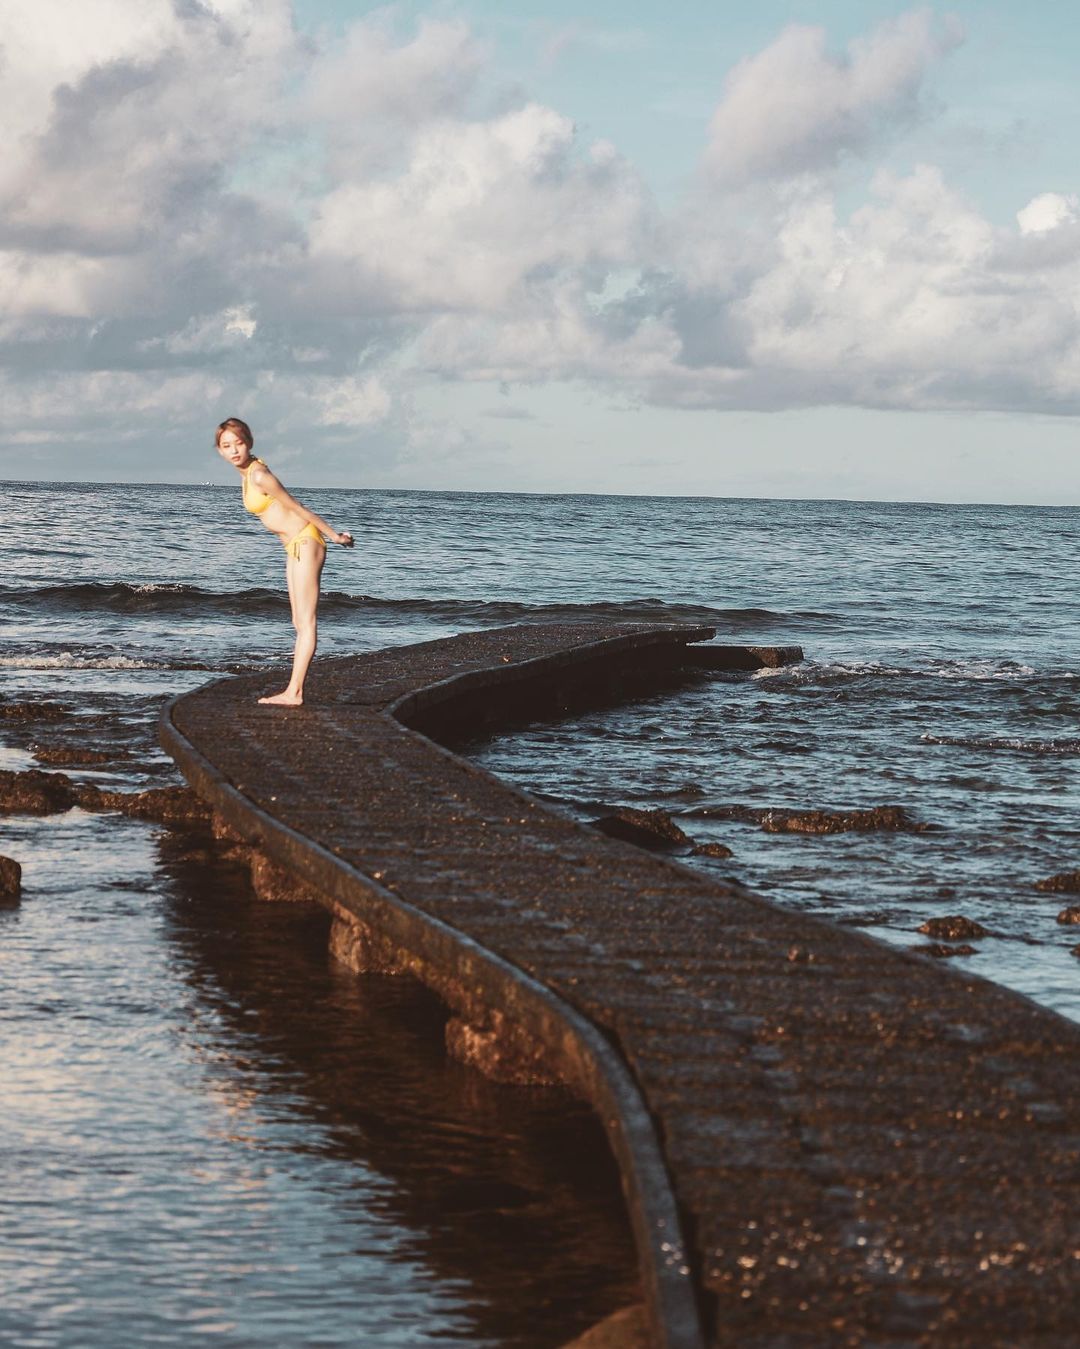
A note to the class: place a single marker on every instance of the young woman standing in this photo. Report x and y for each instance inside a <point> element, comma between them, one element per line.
<point>301,533</point>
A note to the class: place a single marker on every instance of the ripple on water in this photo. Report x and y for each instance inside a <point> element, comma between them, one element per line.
<point>212,1132</point>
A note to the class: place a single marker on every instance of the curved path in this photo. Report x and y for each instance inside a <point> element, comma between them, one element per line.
<point>823,1140</point>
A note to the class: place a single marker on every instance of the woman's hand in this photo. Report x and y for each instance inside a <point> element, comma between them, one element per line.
<point>344,538</point>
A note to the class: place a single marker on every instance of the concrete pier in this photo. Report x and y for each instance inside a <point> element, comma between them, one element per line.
<point>823,1140</point>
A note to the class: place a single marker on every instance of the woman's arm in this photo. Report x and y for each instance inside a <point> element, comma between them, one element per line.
<point>266,481</point>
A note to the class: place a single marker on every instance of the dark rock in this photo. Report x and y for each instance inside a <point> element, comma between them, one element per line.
<point>953,928</point>
<point>168,805</point>
<point>715,657</point>
<point>943,951</point>
<point>745,814</point>
<point>276,884</point>
<point>36,710</point>
<point>1067,882</point>
<point>626,1329</point>
<point>1070,915</point>
<point>499,1049</point>
<point>362,949</point>
<point>221,829</point>
<point>10,880</point>
<point>711,850</point>
<point>74,754</point>
<point>35,792</point>
<point>647,828</point>
<point>839,822</point>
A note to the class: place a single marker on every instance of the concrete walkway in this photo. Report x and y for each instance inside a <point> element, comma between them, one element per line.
<point>823,1140</point>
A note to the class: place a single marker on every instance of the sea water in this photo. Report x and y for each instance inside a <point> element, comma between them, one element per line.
<point>213,1133</point>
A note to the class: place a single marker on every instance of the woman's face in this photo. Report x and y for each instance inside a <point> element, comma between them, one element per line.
<point>232,448</point>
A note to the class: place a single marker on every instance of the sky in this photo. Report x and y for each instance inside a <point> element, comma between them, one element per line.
<point>786,249</point>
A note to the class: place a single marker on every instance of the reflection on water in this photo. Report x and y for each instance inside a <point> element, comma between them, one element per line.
<point>214,1133</point>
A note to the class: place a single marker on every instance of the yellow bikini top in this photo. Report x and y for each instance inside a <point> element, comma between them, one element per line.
<point>254,500</point>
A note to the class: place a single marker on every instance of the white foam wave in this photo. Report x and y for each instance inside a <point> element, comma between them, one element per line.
<point>971,670</point>
<point>67,660</point>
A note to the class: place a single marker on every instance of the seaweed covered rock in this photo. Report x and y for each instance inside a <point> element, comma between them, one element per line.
<point>36,709</point>
<point>1070,915</point>
<point>1065,882</point>
<point>840,821</point>
<point>954,927</point>
<point>646,828</point>
<point>168,805</point>
<point>10,880</point>
<point>943,951</point>
<point>711,850</point>
<point>625,1329</point>
<point>35,792</point>
<point>78,755</point>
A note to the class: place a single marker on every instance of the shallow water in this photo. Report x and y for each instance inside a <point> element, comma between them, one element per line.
<point>213,1133</point>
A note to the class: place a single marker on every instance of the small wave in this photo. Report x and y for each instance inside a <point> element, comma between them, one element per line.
<point>1004,742</point>
<point>814,672</point>
<point>179,599</point>
<point>981,669</point>
<point>122,597</point>
<point>69,661</point>
<point>92,658</point>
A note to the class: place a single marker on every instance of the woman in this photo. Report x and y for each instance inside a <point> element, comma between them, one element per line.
<point>300,531</point>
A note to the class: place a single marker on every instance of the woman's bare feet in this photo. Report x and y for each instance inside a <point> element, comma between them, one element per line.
<point>285,699</point>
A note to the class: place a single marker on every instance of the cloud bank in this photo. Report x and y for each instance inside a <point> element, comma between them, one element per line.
<point>205,211</point>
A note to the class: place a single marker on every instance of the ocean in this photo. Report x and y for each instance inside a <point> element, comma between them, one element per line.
<point>214,1134</point>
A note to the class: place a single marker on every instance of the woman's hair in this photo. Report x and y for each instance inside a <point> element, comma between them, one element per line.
<point>238,428</point>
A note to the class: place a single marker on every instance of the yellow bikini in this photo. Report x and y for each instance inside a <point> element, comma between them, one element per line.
<point>309,531</point>
<point>256,502</point>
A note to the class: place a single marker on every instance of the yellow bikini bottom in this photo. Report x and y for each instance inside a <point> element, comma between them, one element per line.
<point>292,548</point>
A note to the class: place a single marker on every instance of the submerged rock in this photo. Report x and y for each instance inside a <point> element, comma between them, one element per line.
<point>647,828</point>
<point>1065,882</point>
<point>839,822</point>
<point>10,880</point>
<point>37,709</point>
<point>1070,915</point>
<point>74,754</point>
<point>35,792</point>
<point>168,805</point>
<point>952,928</point>
<point>711,850</point>
<point>626,1329</point>
<point>943,951</point>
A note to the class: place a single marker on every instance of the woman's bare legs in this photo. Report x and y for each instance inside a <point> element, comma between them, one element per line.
<point>303,575</point>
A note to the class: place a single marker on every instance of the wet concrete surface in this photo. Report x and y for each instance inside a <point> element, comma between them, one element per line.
<point>864,1146</point>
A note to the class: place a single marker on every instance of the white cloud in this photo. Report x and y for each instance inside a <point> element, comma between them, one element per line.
<point>481,209</point>
<point>353,401</point>
<point>795,107</point>
<point>208,214</point>
<point>1047,212</point>
<point>372,73</point>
